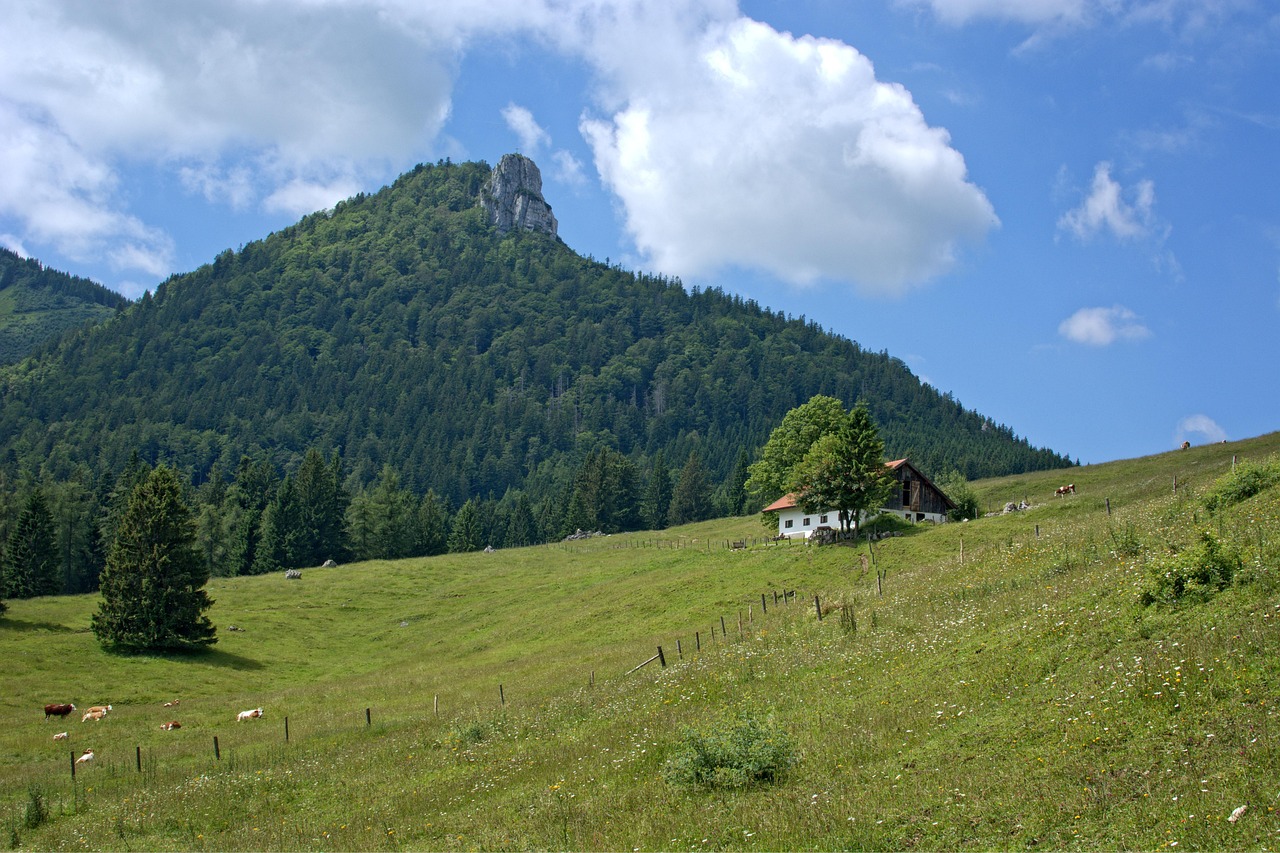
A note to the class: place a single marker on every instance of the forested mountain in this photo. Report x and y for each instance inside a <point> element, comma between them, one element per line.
<point>401,330</point>
<point>38,304</point>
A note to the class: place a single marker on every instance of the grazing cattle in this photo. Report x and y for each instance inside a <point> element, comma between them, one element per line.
<point>58,709</point>
<point>171,725</point>
<point>172,704</point>
<point>85,757</point>
<point>248,715</point>
<point>97,712</point>
<point>61,736</point>
<point>1186,445</point>
<point>1069,489</point>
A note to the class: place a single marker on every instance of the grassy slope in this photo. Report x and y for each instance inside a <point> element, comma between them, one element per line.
<point>1020,699</point>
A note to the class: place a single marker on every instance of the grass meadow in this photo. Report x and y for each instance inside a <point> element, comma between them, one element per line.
<point>995,684</point>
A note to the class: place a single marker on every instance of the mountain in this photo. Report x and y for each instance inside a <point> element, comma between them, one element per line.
<point>405,328</point>
<point>37,305</point>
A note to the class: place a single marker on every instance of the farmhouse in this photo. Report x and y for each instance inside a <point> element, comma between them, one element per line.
<point>915,499</point>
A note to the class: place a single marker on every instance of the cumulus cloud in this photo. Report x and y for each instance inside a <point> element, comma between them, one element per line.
<point>761,149</point>
<point>1199,425</point>
<point>1125,214</point>
<point>725,141</point>
<point>1100,327</point>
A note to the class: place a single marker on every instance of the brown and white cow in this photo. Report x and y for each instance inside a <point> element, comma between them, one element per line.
<point>61,736</point>
<point>251,714</point>
<point>171,725</point>
<point>97,712</point>
<point>1069,489</point>
<point>58,709</point>
<point>85,757</point>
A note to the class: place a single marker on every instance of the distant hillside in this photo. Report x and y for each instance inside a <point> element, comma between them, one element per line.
<point>403,329</point>
<point>37,305</point>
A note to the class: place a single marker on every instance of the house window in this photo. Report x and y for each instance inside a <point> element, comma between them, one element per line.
<point>789,523</point>
<point>806,521</point>
<point>822,519</point>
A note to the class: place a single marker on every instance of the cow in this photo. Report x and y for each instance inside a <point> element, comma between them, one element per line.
<point>172,704</point>
<point>248,715</point>
<point>97,712</point>
<point>1069,489</point>
<point>171,725</point>
<point>85,757</point>
<point>61,736</point>
<point>1186,445</point>
<point>57,709</point>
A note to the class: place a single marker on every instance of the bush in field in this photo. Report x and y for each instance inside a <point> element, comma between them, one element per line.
<point>1193,575</point>
<point>731,754</point>
<point>1247,479</point>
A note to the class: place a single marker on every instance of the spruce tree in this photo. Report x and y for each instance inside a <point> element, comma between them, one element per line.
<point>691,498</point>
<point>465,534</point>
<point>30,566</point>
<point>657,495</point>
<point>153,596</point>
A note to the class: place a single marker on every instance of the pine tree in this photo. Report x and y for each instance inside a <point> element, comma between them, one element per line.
<point>30,566</point>
<point>433,526</point>
<point>153,595</point>
<point>691,498</point>
<point>465,534</point>
<point>657,495</point>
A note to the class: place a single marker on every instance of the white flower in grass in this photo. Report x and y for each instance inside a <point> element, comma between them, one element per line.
<point>1235,815</point>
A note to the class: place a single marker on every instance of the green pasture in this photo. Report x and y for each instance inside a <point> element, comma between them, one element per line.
<point>993,684</point>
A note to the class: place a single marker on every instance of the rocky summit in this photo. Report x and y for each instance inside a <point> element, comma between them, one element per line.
<point>513,197</point>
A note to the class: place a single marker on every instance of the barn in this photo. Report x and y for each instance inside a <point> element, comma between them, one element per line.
<point>915,499</point>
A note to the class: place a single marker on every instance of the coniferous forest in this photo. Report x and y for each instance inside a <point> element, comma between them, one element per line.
<point>395,378</point>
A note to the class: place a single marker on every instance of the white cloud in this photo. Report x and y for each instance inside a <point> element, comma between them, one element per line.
<point>1106,208</point>
<point>760,149</point>
<point>532,136</point>
<point>1024,11</point>
<point>1102,327</point>
<point>299,197</point>
<point>14,244</point>
<point>1199,425</point>
<point>568,169</point>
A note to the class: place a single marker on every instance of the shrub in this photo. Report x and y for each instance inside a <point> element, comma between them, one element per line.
<point>1247,479</point>
<point>1193,575</point>
<point>731,754</point>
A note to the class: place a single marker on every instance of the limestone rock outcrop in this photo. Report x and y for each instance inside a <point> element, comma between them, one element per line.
<point>513,197</point>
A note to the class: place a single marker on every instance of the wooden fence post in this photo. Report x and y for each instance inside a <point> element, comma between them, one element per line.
<point>286,729</point>
<point>764,605</point>
<point>73,765</point>
<point>1108,506</point>
<point>502,695</point>
<point>679,650</point>
<point>435,706</point>
<point>138,750</point>
<point>368,719</point>
<point>818,607</point>
<point>723,631</point>
<point>697,639</point>
<point>217,753</point>
<point>662,659</point>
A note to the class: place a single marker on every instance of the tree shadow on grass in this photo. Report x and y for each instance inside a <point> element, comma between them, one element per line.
<point>22,626</point>
<point>205,657</point>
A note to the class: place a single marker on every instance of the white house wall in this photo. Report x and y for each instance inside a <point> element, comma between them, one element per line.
<point>793,523</point>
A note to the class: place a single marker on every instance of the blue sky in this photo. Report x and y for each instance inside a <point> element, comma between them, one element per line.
<point>1062,212</point>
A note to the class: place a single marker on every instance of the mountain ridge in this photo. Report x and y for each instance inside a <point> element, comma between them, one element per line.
<point>402,328</point>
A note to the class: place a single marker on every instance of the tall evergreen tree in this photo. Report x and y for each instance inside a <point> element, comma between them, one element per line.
<point>522,528</point>
<point>465,534</point>
<point>657,495</point>
<point>30,566</point>
<point>279,538</point>
<point>433,526</point>
<point>322,503</point>
<point>691,497</point>
<point>252,490</point>
<point>153,595</point>
<point>736,488</point>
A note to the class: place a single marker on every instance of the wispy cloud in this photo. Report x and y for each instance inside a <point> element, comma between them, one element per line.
<point>1199,425</point>
<point>1125,214</point>
<point>1100,327</point>
<point>521,122</point>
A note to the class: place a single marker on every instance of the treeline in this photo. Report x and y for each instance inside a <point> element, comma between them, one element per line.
<point>54,537</point>
<point>401,330</point>
<point>38,304</point>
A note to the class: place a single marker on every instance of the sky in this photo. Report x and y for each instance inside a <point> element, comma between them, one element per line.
<point>1063,213</point>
